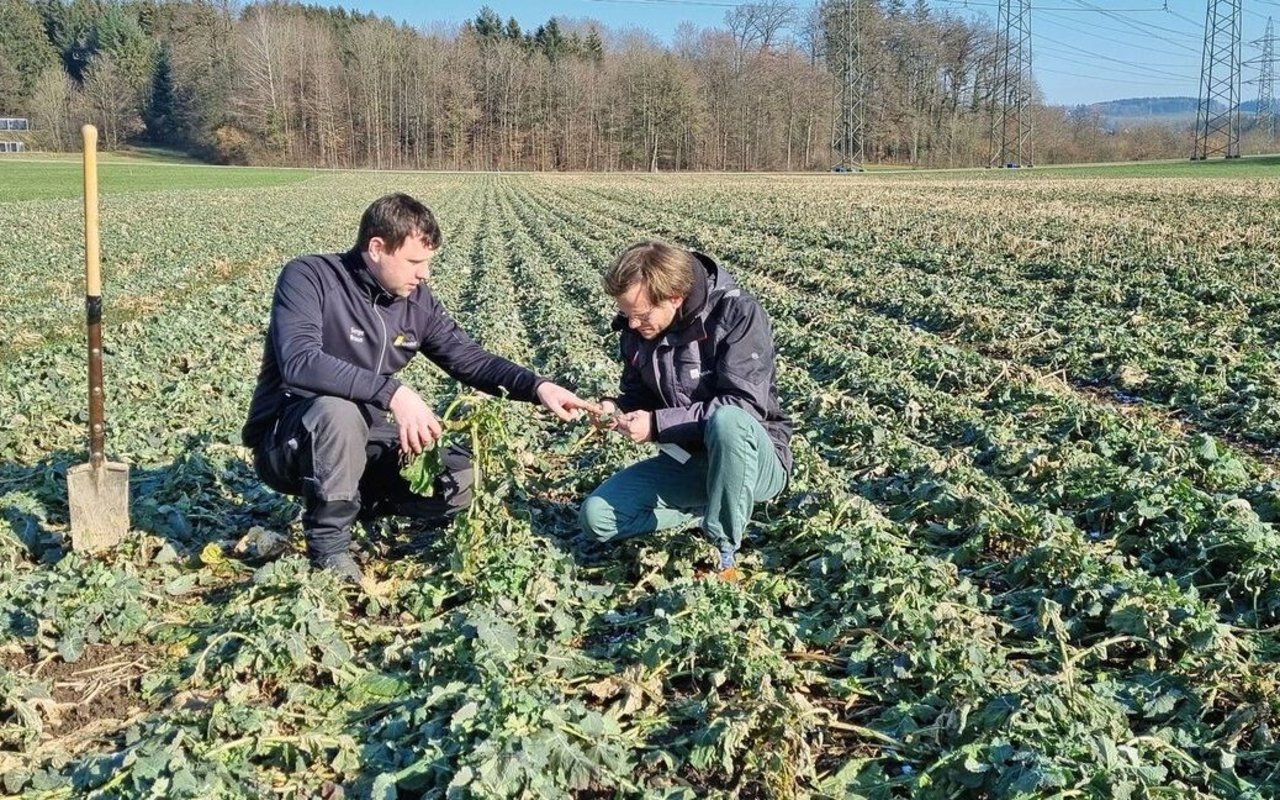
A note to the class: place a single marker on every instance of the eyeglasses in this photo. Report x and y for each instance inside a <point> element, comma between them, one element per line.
<point>641,318</point>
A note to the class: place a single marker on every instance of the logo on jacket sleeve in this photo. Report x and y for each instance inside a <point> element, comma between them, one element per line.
<point>406,340</point>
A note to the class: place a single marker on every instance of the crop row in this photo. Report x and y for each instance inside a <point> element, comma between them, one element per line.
<point>1180,311</point>
<point>978,581</point>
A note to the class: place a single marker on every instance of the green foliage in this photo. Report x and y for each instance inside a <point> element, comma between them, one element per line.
<point>422,470</point>
<point>78,603</point>
<point>25,52</point>
<point>982,581</point>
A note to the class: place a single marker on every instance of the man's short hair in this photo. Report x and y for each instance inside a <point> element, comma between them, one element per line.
<point>664,269</point>
<point>394,218</point>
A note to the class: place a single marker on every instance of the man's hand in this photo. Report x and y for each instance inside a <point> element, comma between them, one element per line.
<point>419,427</point>
<point>638,426</point>
<point>563,403</point>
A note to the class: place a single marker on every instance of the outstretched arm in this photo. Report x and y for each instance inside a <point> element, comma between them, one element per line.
<point>563,403</point>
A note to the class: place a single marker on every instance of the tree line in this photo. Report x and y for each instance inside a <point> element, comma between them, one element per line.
<point>289,84</point>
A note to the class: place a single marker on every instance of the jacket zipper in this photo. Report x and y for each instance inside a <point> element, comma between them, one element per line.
<point>657,371</point>
<point>382,351</point>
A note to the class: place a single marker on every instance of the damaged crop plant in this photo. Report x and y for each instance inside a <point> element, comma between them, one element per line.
<point>1029,548</point>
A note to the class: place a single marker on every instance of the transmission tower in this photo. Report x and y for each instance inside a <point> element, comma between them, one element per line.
<point>853,96</point>
<point>1218,115</point>
<point>1266,111</point>
<point>1011,126</point>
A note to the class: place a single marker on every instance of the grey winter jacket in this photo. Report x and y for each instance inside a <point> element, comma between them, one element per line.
<point>335,331</point>
<point>718,351</point>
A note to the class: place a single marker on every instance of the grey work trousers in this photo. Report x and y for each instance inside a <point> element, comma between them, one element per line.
<point>343,459</point>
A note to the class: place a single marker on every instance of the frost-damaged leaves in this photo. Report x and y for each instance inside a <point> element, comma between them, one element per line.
<point>981,582</point>
<point>287,627</point>
<point>81,601</point>
<point>507,726</point>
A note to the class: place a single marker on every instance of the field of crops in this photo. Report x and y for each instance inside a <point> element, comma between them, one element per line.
<point>1030,548</point>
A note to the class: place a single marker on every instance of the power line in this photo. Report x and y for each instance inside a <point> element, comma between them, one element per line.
<point>1095,35</point>
<point>1147,69</point>
<point>1182,17</point>
<point>708,3</point>
<point>1121,17</point>
<point>979,3</point>
<point>1148,35</point>
<point>1142,27</point>
<point>1126,82</point>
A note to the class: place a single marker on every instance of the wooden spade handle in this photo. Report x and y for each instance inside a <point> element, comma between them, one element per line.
<point>93,296</point>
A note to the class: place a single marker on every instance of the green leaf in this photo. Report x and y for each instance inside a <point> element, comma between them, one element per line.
<point>182,584</point>
<point>380,685</point>
<point>1206,448</point>
<point>1164,704</point>
<point>500,639</point>
<point>71,646</point>
<point>384,787</point>
<point>422,471</point>
<point>465,714</point>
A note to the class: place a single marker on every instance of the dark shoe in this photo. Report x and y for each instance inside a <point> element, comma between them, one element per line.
<point>590,552</point>
<point>342,565</point>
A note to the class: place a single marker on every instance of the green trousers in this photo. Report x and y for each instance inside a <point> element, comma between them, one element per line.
<point>721,483</point>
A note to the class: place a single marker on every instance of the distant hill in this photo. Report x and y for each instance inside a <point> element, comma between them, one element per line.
<point>1147,107</point>
<point>1176,112</point>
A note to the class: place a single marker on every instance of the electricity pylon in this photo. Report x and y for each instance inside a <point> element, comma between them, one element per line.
<point>853,94</point>
<point>1218,115</point>
<point>1266,110</point>
<point>1011,124</point>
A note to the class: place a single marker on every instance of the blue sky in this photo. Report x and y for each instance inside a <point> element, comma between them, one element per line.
<point>1083,50</point>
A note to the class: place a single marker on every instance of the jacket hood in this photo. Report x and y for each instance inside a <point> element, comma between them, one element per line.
<point>709,283</point>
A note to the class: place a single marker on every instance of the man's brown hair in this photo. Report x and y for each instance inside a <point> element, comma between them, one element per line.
<point>664,269</point>
<point>394,218</point>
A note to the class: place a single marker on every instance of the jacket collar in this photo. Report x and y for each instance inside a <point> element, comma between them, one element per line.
<point>353,260</point>
<point>690,324</point>
<point>695,303</point>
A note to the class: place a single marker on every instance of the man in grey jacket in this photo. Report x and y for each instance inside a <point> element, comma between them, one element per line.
<point>329,421</point>
<point>698,379</point>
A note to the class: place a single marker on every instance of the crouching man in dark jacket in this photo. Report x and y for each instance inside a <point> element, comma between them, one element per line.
<point>698,379</point>
<point>329,420</point>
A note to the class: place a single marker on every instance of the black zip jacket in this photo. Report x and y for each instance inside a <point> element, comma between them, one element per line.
<point>718,351</point>
<point>335,331</point>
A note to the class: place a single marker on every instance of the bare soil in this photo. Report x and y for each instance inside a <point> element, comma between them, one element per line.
<point>103,686</point>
